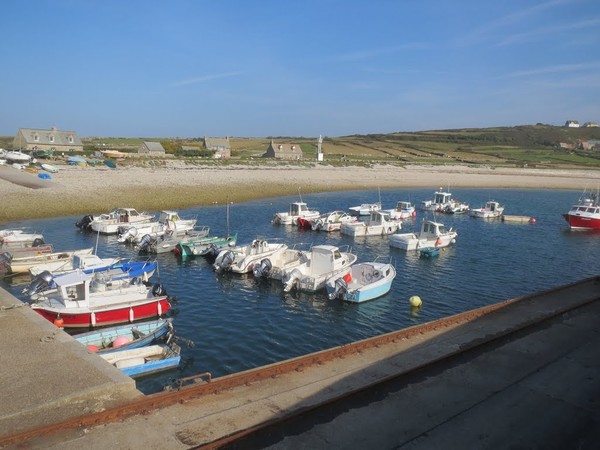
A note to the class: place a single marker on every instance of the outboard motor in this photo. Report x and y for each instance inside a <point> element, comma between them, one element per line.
<point>85,222</point>
<point>317,225</point>
<point>340,286</point>
<point>158,290</point>
<point>263,269</point>
<point>145,243</point>
<point>5,259</point>
<point>292,280</point>
<point>212,252</point>
<point>38,242</point>
<point>44,280</point>
<point>224,261</point>
<point>127,233</point>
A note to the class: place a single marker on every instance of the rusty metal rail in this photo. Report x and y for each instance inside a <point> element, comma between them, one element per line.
<point>193,391</point>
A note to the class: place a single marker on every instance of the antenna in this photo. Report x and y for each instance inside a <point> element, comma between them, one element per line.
<point>299,194</point>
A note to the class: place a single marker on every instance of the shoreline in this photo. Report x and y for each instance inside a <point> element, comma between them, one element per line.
<point>76,190</point>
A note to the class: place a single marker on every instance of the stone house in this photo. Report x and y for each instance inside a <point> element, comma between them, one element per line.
<point>283,151</point>
<point>572,124</point>
<point>52,140</point>
<point>151,148</point>
<point>220,146</point>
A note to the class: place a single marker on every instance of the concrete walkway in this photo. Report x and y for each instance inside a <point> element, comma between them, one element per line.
<point>535,389</point>
<point>47,376</point>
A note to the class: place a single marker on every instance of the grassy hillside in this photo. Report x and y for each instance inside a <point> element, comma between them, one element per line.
<point>530,145</point>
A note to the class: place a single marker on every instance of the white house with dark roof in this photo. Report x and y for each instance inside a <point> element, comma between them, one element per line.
<point>151,148</point>
<point>572,124</point>
<point>36,139</point>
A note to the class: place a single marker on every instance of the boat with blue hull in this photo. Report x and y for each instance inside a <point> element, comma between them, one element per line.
<point>138,362</point>
<point>365,281</point>
<point>128,336</point>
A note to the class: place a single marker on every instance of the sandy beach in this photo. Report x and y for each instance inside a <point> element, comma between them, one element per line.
<point>82,190</point>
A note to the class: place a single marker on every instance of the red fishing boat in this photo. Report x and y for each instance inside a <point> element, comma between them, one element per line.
<point>83,301</point>
<point>585,214</point>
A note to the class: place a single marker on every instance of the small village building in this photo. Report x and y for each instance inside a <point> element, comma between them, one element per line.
<point>49,141</point>
<point>151,148</point>
<point>221,147</point>
<point>590,125</point>
<point>572,124</point>
<point>283,151</point>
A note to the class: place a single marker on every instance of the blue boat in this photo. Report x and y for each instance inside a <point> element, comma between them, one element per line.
<point>128,336</point>
<point>429,252</point>
<point>365,281</point>
<point>138,362</point>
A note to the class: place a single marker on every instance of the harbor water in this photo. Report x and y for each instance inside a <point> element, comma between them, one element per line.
<point>228,323</point>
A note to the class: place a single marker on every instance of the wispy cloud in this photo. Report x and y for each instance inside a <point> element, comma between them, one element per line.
<point>545,31</point>
<point>561,68</point>
<point>205,78</point>
<point>488,30</point>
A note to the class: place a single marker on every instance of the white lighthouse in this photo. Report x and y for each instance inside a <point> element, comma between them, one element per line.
<point>319,149</point>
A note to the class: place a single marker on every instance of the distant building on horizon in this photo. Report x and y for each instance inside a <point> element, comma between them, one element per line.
<point>53,140</point>
<point>572,124</point>
<point>151,148</point>
<point>220,146</point>
<point>283,151</point>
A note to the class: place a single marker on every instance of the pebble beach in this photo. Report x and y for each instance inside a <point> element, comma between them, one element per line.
<point>81,190</point>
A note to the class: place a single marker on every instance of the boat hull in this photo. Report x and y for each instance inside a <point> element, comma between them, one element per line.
<point>86,318</point>
<point>583,222</point>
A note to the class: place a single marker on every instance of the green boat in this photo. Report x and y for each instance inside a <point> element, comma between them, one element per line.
<point>204,246</point>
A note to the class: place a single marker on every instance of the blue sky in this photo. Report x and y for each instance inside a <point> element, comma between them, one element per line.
<point>277,68</point>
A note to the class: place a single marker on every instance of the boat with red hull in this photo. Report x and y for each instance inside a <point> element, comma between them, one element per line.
<point>585,215</point>
<point>82,301</point>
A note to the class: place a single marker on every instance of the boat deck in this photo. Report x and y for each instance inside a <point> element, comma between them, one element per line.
<point>522,373</point>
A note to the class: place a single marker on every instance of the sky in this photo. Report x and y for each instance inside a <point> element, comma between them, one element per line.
<point>270,68</point>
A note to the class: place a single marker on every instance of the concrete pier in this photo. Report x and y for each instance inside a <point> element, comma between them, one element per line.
<point>521,374</point>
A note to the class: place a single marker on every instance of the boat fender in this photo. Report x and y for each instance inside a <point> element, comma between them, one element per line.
<point>158,290</point>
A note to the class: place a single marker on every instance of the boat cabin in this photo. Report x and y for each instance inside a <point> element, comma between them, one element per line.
<point>432,229</point>
<point>379,217</point>
<point>325,258</point>
<point>298,208</point>
<point>492,206</point>
<point>441,198</point>
<point>73,287</point>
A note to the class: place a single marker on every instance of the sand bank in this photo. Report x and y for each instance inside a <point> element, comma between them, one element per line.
<point>82,190</point>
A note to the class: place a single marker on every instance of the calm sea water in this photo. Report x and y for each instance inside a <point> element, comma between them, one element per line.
<point>237,323</point>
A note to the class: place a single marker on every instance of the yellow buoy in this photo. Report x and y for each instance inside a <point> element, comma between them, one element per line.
<point>415,301</point>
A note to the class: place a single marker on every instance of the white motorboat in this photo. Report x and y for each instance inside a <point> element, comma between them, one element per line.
<point>365,281</point>
<point>51,261</point>
<point>403,210</point>
<point>81,260</point>
<point>17,156</point>
<point>167,221</point>
<point>277,264</point>
<point>491,210</point>
<point>378,224</point>
<point>443,202</point>
<point>16,237</point>
<point>365,209</point>
<point>110,223</point>
<point>241,259</point>
<point>332,221</point>
<point>432,234</point>
<point>324,262</point>
<point>297,210</point>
